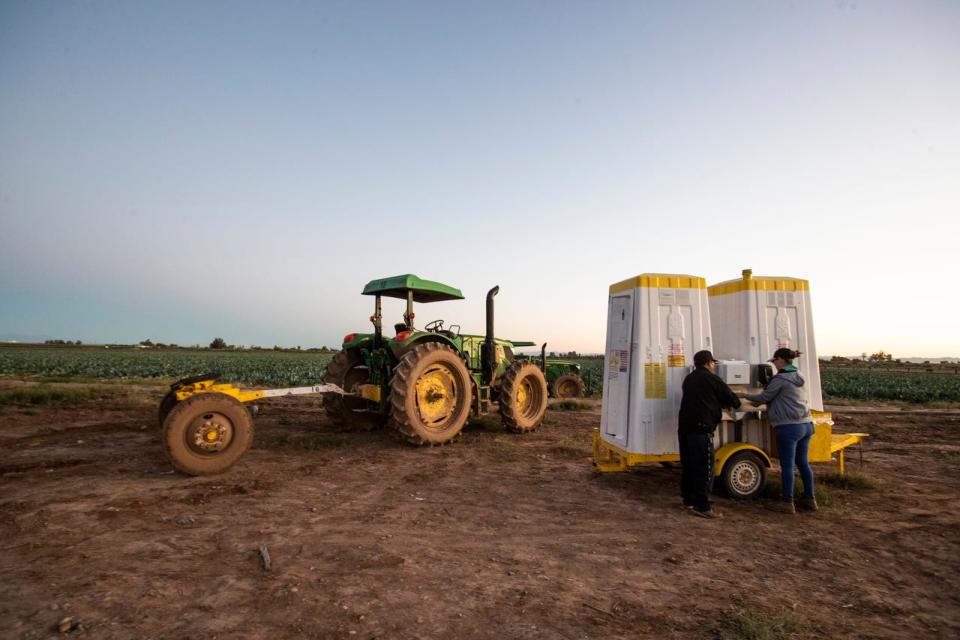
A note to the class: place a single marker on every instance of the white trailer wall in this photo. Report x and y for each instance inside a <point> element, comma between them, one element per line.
<point>754,316</point>
<point>655,323</point>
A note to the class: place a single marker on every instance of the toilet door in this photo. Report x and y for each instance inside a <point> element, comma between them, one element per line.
<point>615,417</point>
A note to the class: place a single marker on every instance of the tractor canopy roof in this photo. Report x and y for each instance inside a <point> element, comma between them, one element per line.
<point>423,290</point>
<point>523,343</point>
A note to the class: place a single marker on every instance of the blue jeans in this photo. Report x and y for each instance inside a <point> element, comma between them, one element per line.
<point>793,443</point>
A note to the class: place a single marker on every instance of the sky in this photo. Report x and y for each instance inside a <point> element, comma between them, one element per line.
<point>180,171</point>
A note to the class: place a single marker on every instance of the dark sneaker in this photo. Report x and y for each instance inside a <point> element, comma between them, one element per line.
<point>807,503</point>
<point>707,513</point>
<point>782,506</point>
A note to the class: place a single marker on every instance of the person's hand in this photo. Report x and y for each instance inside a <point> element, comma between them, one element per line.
<point>741,394</point>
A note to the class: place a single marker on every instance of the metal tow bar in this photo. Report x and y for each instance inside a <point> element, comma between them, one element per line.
<point>186,388</point>
<point>303,391</point>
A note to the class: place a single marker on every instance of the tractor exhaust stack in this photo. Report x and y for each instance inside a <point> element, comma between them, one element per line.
<point>489,356</point>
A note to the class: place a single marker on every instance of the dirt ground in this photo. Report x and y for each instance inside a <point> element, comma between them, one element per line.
<point>495,536</point>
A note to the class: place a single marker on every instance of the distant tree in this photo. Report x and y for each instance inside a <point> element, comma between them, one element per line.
<point>78,343</point>
<point>147,343</point>
<point>218,343</point>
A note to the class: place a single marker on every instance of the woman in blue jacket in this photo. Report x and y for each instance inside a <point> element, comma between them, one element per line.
<point>789,414</point>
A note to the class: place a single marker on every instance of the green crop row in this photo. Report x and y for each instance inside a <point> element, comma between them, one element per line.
<point>842,384</point>
<point>890,385</point>
<point>251,367</point>
<point>280,368</point>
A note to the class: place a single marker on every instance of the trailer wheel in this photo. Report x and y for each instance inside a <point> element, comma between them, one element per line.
<point>166,405</point>
<point>523,397</point>
<point>207,433</point>
<point>569,385</point>
<point>744,475</point>
<point>346,370</point>
<point>430,394</point>
<point>170,399</point>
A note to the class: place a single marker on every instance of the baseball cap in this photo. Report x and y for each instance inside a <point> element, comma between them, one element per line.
<point>701,358</point>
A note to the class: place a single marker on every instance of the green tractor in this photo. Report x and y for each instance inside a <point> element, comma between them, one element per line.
<point>563,379</point>
<point>426,383</point>
<point>563,376</point>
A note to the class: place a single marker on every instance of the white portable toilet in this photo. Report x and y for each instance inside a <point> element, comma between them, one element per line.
<point>655,323</point>
<point>754,316</point>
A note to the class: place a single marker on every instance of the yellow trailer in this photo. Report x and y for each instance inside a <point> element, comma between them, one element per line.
<point>744,449</point>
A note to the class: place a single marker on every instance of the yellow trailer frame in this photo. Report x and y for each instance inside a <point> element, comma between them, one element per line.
<point>184,391</point>
<point>608,458</point>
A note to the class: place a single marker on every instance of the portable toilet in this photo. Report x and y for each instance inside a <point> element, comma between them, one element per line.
<point>753,316</point>
<point>655,323</point>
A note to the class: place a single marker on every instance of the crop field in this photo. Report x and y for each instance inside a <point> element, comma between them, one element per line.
<point>890,385</point>
<point>286,368</point>
<point>282,368</point>
<point>916,387</point>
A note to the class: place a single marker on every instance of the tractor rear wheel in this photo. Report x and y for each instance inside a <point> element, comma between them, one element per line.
<point>523,396</point>
<point>430,394</point>
<point>346,370</point>
<point>569,385</point>
<point>207,433</point>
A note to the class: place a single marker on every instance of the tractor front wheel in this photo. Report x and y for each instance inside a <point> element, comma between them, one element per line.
<point>523,397</point>
<point>207,433</point>
<point>430,394</point>
<point>569,385</point>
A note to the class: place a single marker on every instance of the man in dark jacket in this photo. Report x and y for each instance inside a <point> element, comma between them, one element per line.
<point>705,396</point>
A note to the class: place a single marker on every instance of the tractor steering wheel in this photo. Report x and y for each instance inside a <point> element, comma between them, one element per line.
<point>435,326</point>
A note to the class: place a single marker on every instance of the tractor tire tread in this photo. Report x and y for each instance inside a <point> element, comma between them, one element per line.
<point>335,406</point>
<point>167,404</point>
<point>400,389</point>
<point>508,410</point>
<point>572,377</point>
